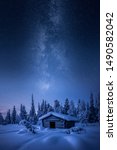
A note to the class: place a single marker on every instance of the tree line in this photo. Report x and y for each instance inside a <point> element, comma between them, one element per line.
<point>86,112</point>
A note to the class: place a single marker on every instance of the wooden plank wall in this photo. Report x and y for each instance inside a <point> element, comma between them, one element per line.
<point>59,123</point>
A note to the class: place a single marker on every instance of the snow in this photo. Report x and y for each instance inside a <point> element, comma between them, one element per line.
<point>59,115</point>
<point>22,131</point>
<point>16,137</point>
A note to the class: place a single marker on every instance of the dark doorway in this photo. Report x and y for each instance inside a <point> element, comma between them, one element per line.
<point>52,124</point>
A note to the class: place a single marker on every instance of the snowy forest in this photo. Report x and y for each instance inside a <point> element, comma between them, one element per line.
<point>86,112</point>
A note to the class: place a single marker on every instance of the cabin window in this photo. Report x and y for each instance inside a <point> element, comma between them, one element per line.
<point>52,124</point>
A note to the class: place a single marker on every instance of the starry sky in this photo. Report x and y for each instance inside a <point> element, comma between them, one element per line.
<point>50,48</point>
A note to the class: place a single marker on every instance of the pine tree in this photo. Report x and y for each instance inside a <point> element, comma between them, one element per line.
<point>97,108</point>
<point>32,111</point>
<point>43,107</point>
<point>33,116</point>
<point>92,114</point>
<point>23,113</point>
<point>87,111</point>
<point>1,119</point>
<point>61,109</point>
<point>83,112</point>
<point>78,108</point>
<point>8,117</point>
<point>18,119</point>
<point>39,112</point>
<point>83,106</point>
<point>49,108</point>
<point>72,111</point>
<point>66,106</point>
<point>14,116</point>
<point>56,106</point>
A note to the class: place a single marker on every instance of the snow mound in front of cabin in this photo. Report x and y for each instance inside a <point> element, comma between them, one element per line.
<point>48,139</point>
<point>77,130</point>
<point>22,131</point>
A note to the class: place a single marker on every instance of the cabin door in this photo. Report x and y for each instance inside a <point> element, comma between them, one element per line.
<point>52,124</point>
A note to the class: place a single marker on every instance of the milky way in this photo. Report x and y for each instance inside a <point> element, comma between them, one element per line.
<point>51,50</point>
<point>48,48</point>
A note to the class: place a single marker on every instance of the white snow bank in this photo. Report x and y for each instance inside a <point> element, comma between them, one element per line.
<point>22,131</point>
<point>48,139</point>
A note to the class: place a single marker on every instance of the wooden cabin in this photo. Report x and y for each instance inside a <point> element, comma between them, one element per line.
<point>57,120</point>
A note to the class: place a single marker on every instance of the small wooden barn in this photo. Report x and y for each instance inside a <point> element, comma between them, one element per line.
<point>57,120</point>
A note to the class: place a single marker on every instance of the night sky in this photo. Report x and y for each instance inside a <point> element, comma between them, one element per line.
<point>49,48</point>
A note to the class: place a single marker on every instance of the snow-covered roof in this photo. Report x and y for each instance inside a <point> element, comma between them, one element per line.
<point>59,115</point>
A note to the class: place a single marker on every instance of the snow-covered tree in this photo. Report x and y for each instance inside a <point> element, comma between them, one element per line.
<point>32,111</point>
<point>18,119</point>
<point>33,116</point>
<point>87,111</point>
<point>43,107</point>
<point>56,106</point>
<point>49,108</point>
<point>83,106</point>
<point>97,108</point>
<point>61,109</point>
<point>92,114</point>
<point>72,110</point>
<point>1,119</point>
<point>23,113</point>
<point>8,117</point>
<point>78,108</point>
<point>83,112</point>
<point>28,126</point>
<point>66,106</point>
<point>39,111</point>
<point>14,113</point>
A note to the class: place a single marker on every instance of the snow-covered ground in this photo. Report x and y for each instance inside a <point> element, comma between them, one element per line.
<point>14,137</point>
